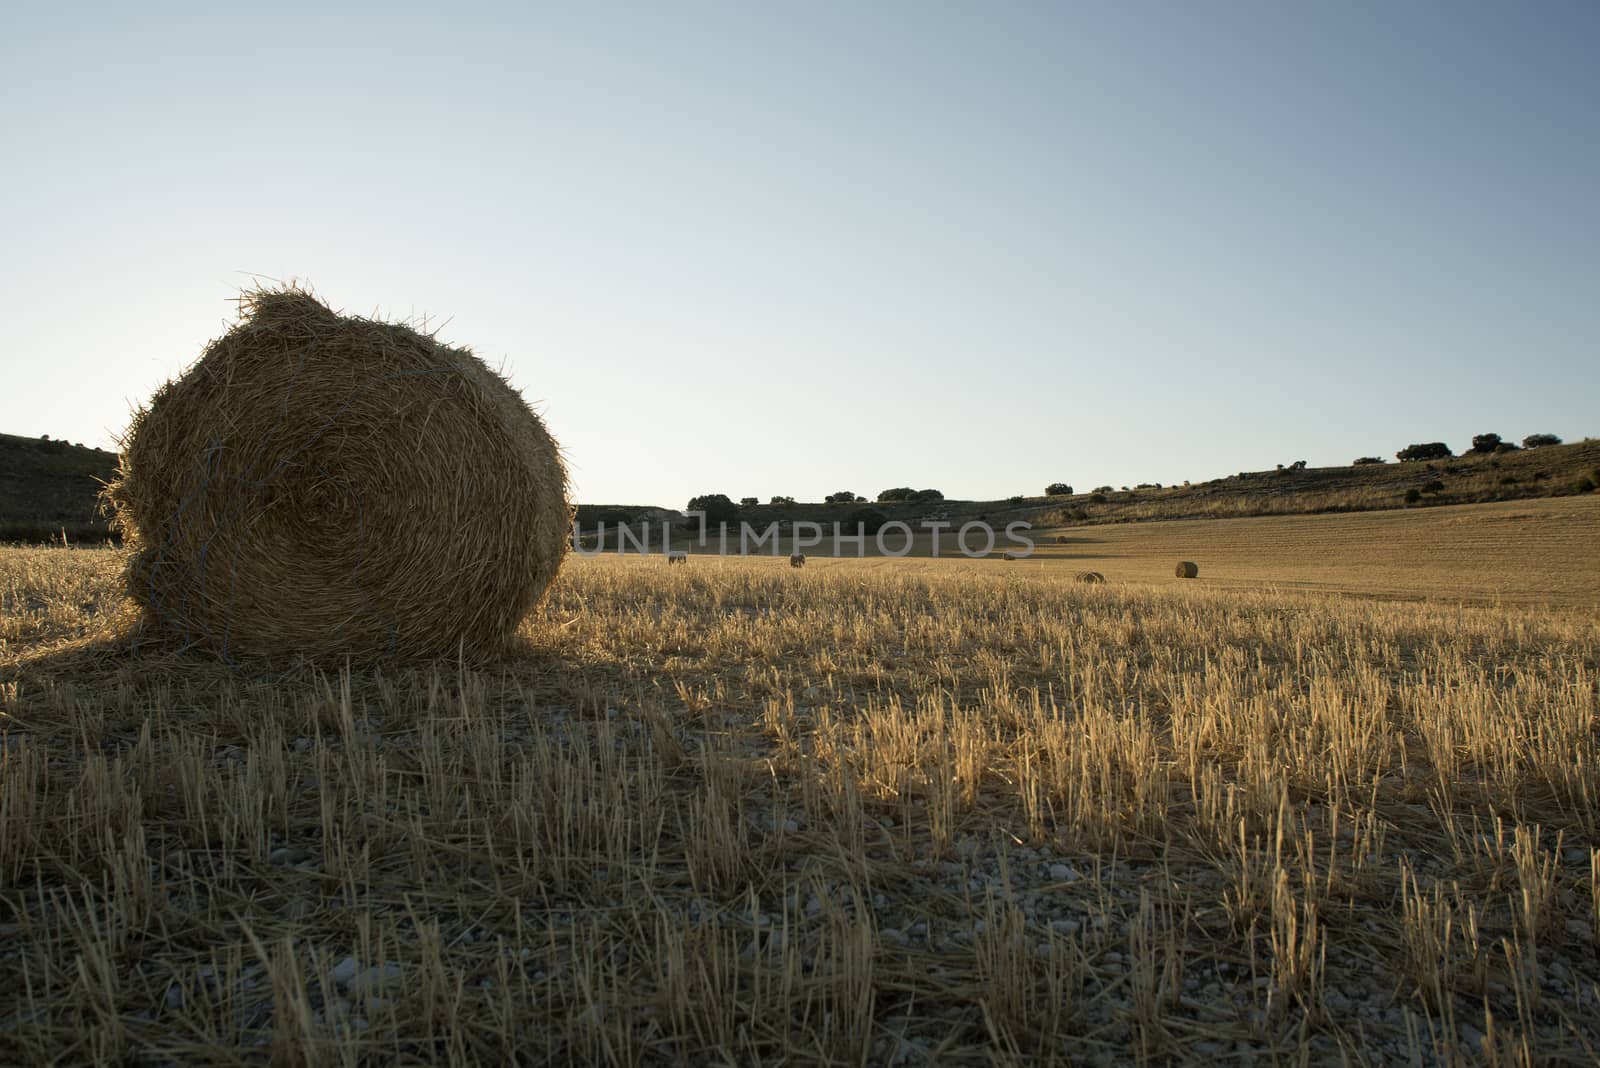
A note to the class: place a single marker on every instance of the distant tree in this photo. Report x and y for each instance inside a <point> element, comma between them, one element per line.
<point>1363,461</point>
<point>1097,497</point>
<point>842,497</point>
<point>781,500</point>
<point>749,502</point>
<point>1298,465</point>
<point>1431,450</point>
<point>590,516</point>
<point>1506,446</point>
<point>898,493</point>
<point>1058,489</point>
<point>1485,442</point>
<point>1539,441</point>
<point>1015,498</point>
<point>718,509</point>
<point>927,495</point>
<point>1103,489</point>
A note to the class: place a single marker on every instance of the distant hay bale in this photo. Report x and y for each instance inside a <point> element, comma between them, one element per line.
<point>329,485</point>
<point>1091,577</point>
<point>1187,569</point>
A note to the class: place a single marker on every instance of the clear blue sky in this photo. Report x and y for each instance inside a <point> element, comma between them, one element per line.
<point>761,249</point>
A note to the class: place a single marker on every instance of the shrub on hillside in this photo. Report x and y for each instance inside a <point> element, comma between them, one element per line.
<point>1098,497</point>
<point>1485,442</point>
<point>1539,441</point>
<point>842,497</point>
<point>1413,495</point>
<point>870,520</point>
<point>748,502</point>
<point>590,516</point>
<point>1102,489</point>
<point>1506,446</point>
<point>1433,487</point>
<point>1363,461</point>
<point>781,500</point>
<point>898,493</point>
<point>927,495</point>
<point>1431,450</point>
<point>718,509</point>
<point>1586,484</point>
<point>1058,489</point>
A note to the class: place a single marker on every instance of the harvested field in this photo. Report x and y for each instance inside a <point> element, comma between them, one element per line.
<point>869,812</point>
<point>1530,552</point>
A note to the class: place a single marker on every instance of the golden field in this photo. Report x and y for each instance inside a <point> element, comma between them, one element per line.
<point>1536,551</point>
<point>869,812</point>
<point>1540,551</point>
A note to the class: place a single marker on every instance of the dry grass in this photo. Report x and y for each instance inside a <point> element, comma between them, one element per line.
<point>868,812</point>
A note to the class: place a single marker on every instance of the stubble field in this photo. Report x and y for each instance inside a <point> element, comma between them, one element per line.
<point>867,812</point>
<point>1535,552</point>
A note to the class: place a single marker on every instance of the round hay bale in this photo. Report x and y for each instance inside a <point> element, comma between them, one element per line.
<point>321,484</point>
<point>1091,577</point>
<point>1187,569</point>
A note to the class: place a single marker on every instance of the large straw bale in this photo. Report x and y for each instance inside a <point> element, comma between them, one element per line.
<point>329,485</point>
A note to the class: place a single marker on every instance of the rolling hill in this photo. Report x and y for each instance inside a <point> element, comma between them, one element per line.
<point>50,488</point>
